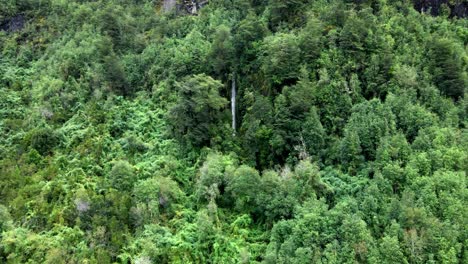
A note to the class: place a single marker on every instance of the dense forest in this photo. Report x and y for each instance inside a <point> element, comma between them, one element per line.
<point>239,131</point>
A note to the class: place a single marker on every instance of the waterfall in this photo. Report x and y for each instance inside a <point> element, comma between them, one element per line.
<point>233,103</point>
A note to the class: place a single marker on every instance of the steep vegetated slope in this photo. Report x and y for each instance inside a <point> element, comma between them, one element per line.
<point>117,141</point>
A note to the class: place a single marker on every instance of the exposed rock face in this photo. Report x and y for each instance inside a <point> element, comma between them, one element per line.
<point>13,24</point>
<point>169,5</point>
<point>191,6</point>
<point>458,8</point>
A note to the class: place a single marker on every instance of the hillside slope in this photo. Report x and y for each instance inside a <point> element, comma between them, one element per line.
<point>118,144</point>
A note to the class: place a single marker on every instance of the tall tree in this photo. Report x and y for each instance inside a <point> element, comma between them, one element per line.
<point>196,114</point>
<point>447,67</point>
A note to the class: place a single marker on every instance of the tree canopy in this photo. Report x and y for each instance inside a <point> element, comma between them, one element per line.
<point>116,144</point>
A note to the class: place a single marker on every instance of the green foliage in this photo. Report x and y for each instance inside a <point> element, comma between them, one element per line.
<point>281,56</point>
<point>42,139</point>
<point>6,223</point>
<point>222,51</point>
<point>116,144</point>
<point>242,186</point>
<point>8,8</point>
<point>213,176</point>
<point>154,197</point>
<point>287,12</point>
<point>313,133</point>
<point>370,121</point>
<point>115,75</point>
<point>448,68</point>
<point>198,109</point>
<point>122,176</point>
<point>390,251</point>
